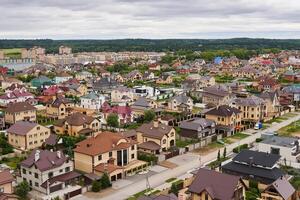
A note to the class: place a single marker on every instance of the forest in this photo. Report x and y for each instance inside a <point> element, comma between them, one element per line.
<point>158,45</point>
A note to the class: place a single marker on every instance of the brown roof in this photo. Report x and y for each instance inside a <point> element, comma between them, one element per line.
<point>107,167</point>
<point>150,130</point>
<point>150,145</point>
<point>19,107</point>
<point>21,127</point>
<point>216,184</point>
<point>6,177</point>
<point>76,119</point>
<point>61,178</point>
<point>102,143</point>
<point>47,160</point>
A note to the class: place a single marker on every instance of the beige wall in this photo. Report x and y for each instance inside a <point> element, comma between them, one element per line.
<point>83,162</point>
<point>7,188</point>
<point>12,118</point>
<point>227,121</point>
<point>33,139</point>
<point>73,130</point>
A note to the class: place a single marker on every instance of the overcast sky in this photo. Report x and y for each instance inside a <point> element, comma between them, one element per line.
<point>111,19</point>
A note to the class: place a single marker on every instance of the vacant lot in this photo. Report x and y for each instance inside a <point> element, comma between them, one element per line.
<point>292,129</point>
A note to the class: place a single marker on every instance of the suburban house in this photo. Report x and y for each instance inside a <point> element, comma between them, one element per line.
<point>62,78</point>
<point>124,113</point>
<point>267,83</point>
<point>105,85</point>
<point>142,104</point>
<point>287,147</point>
<point>213,185</point>
<point>181,103</point>
<point>57,108</point>
<point>26,136</point>
<point>155,137</point>
<point>92,101</point>
<point>199,128</point>
<point>253,165</point>
<point>228,119</point>
<point>164,79</point>
<point>49,172</point>
<point>272,102</point>
<point>122,95</point>
<point>77,124</point>
<point>215,96</point>
<point>109,153</point>
<point>145,91</point>
<point>6,185</point>
<point>254,109</point>
<point>84,75</point>
<point>134,76</point>
<point>41,82</point>
<point>281,189</point>
<point>74,89</point>
<point>17,95</point>
<point>21,111</point>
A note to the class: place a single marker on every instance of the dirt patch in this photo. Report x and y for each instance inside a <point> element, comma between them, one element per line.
<point>168,164</point>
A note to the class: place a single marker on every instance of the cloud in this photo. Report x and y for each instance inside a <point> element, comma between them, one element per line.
<point>105,19</point>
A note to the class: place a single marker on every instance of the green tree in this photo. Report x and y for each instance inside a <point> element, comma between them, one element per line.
<point>224,153</point>
<point>22,189</point>
<point>149,115</point>
<point>57,198</point>
<point>113,120</point>
<point>96,186</point>
<point>175,187</point>
<point>105,181</point>
<point>219,155</point>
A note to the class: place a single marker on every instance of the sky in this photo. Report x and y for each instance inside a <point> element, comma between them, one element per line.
<point>153,19</point>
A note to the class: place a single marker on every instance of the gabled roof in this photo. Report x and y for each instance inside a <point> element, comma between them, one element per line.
<point>150,130</point>
<point>196,123</point>
<point>141,102</point>
<point>182,98</point>
<point>217,185</point>
<point>6,177</point>
<point>47,160</point>
<point>102,143</point>
<point>22,127</point>
<point>19,107</point>
<point>249,101</point>
<point>223,110</point>
<point>76,119</point>
<point>283,187</point>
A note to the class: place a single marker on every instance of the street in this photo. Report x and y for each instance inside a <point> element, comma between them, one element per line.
<point>193,162</point>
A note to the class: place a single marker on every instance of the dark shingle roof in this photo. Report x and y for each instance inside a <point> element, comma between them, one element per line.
<point>223,110</point>
<point>21,127</point>
<point>19,107</point>
<point>257,158</point>
<point>156,132</point>
<point>196,123</point>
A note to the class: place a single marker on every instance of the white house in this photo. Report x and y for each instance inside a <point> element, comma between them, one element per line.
<point>18,95</point>
<point>286,147</point>
<point>49,173</point>
<point>145,91</point>
<point>62,78</point>
<point>92,101</point>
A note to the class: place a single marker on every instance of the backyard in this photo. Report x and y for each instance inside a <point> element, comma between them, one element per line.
<point>292,129</point>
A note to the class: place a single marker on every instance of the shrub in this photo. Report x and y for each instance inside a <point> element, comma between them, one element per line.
<point>148,158</point>
<point>22,190</point>
<point>239,148</point>
<point>258,140</point>
<point>96,186</point>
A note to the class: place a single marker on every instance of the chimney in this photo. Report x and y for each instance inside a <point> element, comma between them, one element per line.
<point>37,155</point>
<point>155,123</point>
<point>58,154</point>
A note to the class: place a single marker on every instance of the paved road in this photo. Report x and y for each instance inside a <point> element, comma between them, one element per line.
<point>159,179</point>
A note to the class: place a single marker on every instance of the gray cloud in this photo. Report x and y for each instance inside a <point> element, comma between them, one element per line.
<point>103,19</point>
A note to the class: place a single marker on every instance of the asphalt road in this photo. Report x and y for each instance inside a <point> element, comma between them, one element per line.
<point>159,179</point>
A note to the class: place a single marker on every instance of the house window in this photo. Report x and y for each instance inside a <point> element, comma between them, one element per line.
<point>100,157</point>
<point>132,147</point>
<point>67,169</point>
<point>24,171</point>
<point>110,154</point>
<point>38,128</point>
<point>164,141</point>
<point>132,156</point>
<point>50,175</point>
<point>36,184</point>
<point>36,175</point>
<point>206,196</point>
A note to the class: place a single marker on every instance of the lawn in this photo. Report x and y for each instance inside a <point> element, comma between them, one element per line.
<point>184,143</point>
<point>291,129</point>
<point>277,120</point>
<point>142,193</point>
<point>170,180</point>
<point>239,136</point>
<point>13,163</point>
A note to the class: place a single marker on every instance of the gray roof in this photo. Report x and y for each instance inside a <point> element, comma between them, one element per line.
<point>91,95</point>
<point>196,123</point>
<point>283,187</point>
<point>249,101</point>
<point>141,102</point>
<point>223,110</point>
<point>182,98</point>
<point>280,141</point>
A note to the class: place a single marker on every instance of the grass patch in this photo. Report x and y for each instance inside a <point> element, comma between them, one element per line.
<point>277,120</point>
<point>290,129</point>
<point>145,192</point>
<point>239,136</point>
<point>13,163</point>
<point>170,180</point>
<point>217,163</point>
<point>184,143</point>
